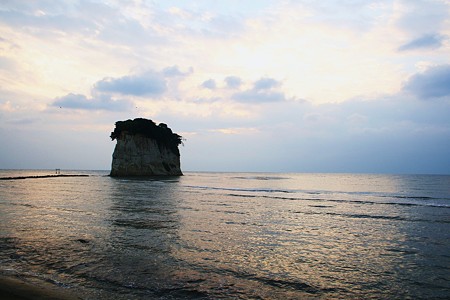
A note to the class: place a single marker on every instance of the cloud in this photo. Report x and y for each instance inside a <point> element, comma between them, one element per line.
<point>432,83</point>
<point>78,101</point>
<point>223,26</point>
<point>236,130</point>
<point>209,84</point>
<point>109,22</point>
<point>175,71</point>
<point>206,22</point>
<point>147,84</point>
<point>128,32</point>
<point>358,15</point>
<point>104,92</point>
<point>47,19</point>
<point>427,41</point>
<point>7,63</point>
<point>256,96</point>
<point>233,82</point>
<point>263,91</point>
<point>265,84</point>
<point>24,121</point>
<point>423,16</point>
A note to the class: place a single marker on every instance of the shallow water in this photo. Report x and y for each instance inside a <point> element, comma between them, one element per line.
<point>230,235</point>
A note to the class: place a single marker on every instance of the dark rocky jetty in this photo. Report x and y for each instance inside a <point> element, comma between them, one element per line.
<point>42,176</point>
<point>145,149</point>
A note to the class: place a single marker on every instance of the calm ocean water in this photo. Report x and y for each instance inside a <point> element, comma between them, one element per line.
<point>229,235</point>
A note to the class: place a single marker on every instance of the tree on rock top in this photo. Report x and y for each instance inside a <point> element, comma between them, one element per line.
<point>160,133</point>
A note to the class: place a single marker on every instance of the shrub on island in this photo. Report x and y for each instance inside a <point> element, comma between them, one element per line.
<point>160,133</point>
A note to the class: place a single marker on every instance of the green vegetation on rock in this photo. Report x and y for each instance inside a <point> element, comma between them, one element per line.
<point>162,134</point>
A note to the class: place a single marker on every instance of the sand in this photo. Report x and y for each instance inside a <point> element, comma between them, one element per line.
<point>12,288</point>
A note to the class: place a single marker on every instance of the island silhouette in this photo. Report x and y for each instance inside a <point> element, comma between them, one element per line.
<point>145,149</point>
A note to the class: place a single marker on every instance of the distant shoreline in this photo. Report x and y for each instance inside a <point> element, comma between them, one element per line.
<point>43,176</point>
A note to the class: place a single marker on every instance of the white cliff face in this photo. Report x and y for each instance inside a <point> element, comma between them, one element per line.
<point>136,155</point>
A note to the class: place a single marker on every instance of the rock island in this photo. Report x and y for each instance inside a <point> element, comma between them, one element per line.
<point>145,149</point>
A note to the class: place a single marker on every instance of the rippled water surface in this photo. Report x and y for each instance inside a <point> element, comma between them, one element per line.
<point>229,235</point>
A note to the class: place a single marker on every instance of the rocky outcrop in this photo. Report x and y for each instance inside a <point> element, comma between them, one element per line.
<point>145,149</point>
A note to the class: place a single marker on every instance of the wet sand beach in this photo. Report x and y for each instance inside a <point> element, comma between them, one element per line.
<point>17,289</point>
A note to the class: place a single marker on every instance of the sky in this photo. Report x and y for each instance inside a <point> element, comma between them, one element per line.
<point>260,86</point>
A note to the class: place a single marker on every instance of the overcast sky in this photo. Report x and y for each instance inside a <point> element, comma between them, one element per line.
<point>283,86</point>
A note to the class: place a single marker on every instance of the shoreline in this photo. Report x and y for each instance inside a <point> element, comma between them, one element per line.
<point>13,288</point>
<point>43,176</point>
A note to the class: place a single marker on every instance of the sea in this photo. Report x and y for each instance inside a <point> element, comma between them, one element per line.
<point>210,235</point>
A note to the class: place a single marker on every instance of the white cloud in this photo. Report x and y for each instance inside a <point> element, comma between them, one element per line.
<point>265,84</point>
<point>233,82</point>
<point>421,17</point>
<point>427,41</point>
<point>263,90</point>
<point>239,130</point>
<point>433,82</point>
<point>256,96</point>
<point>147,84</point>
<point>209,84</point>
<point>77,101</point>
